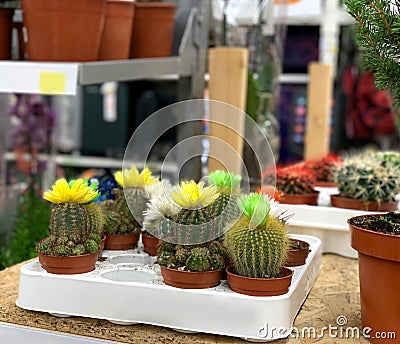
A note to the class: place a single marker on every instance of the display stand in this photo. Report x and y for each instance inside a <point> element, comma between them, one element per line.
<point>127,288</point>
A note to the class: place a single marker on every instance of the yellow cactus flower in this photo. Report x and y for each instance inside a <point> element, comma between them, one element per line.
<point>132,178</point>
<point>63,192</point>
<point>191,195</point>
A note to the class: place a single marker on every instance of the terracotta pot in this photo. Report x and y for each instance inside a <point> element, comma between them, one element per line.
<point>63,30</point>
<point>153,29</point>
<point>6,15</point>
<point>121,241</point>
<point>260,286</point>
<point>379,274</point>
<point>117,34</point>
<point>310,199</point>
<point>191,280</point>
<point>297,257</point>
<point>69,265</point>
<point>150,244</point>
<point>326,184</point>
<point>357,204</point>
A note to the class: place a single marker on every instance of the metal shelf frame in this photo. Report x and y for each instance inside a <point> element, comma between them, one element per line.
<point>187,67</point>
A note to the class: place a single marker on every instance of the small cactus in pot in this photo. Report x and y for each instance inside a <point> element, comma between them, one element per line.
<point>190,225</point>
<point>72,233</point>
<point>124,215</point>
<point>296,185</point>
<point>368,181</point>
<point>257,245</point>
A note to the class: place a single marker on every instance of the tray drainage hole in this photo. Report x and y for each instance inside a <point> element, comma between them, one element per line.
<point>129,259</point>
<point>129,276</point>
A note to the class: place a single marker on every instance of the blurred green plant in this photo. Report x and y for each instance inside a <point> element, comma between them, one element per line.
<point>31,225</point>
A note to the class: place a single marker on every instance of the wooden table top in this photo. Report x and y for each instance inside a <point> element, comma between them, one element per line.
<point>334,294</point>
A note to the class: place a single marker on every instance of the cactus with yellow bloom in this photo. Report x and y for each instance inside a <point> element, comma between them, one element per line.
<point>72,231</point>
<point>131,200</point>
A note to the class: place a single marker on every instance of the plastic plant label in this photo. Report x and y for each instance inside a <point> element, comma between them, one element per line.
<point>52,82</point>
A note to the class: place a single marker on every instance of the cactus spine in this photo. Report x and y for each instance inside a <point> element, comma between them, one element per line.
<point>257,250</point>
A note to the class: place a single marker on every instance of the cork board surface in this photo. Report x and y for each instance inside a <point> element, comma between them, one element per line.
<point>334,294</point>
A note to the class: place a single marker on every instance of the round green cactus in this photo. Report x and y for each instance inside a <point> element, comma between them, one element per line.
<point>205,257</point>
<point>257,243</point>
<point>199,260</point>
<point>369,177</point>
<point>181,254</point>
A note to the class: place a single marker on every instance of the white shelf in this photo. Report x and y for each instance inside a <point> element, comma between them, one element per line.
<point>63,78</point>
<point>93,161</point>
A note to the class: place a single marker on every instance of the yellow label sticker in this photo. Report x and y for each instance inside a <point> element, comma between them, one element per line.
<point>52,82</point>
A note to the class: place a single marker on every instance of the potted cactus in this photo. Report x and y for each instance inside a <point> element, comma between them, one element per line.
<point>296,185</point>
<point>124,216</point>
<point>192,266</point>
<point>324,170</point>
<point>73,244</point>
<point>257,245</point>
<point>189,221</point>
<point>368,181</point>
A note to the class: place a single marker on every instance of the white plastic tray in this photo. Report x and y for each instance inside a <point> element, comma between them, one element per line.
<point>126,289</point>
<point>326,223</point>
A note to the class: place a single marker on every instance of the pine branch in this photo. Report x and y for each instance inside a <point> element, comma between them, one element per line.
<point>378,24</point>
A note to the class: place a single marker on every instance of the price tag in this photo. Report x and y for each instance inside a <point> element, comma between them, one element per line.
<point>52,82</point>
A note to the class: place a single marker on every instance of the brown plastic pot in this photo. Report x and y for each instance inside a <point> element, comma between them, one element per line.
<point>310,199</point>
<point>121,241</point>
<point>69,265</point>
<point>191,280</point>
<point>297,257</point>
<point>150,244</point>
<point>117,34</point>
<point>357,204</point>
<point>379,274</point>
<point>153,29</point>
<point>260,286</point>
<point>6,15</point>
<point>63,30</point>
<point>326,184</point>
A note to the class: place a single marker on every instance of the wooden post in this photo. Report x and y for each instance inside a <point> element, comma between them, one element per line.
<point>319,101</point>
<point>228,70</point>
